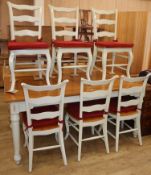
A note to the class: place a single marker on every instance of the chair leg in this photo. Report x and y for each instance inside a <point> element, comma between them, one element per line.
<point>75,63</point>
<point>106,137</point>
<point>93,59</point>
<point>135,126</point>
<point>113,63</point>
<point>39,66</point>
<point>12,72</point>
<point>89,64</point>
<point>59,57</point>
<point>26,136</point>
<point>130,59</point>
<point>53,61</point>
<point>92,130</point>
<point>31,143</point>
<point>117,135</point>
<point>67,126</point>
<point>104,59</point>
<point>48,66</point>
<point>61,141</point>
<point>139,130</point>
<point>80,142</point>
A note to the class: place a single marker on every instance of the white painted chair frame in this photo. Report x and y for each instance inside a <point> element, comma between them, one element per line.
<point>88,96</point>
<point>57,53</point>
<point>100,34</point>
<point>44,101</point>
<point>13,53</point>
<point>138,92</point>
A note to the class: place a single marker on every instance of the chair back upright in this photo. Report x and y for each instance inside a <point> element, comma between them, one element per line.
<point>35,19</point>
<point>104,23</point>
<point>134,88</point>
<point>47,95</point>
<point>98,92</point>
<point>66,17</point>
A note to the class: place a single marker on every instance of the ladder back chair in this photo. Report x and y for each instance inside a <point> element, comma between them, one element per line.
<point>127,106</point>
<point>43,116</point>
<point>18,46</point>
<point>105,37</point>
<point>69,18</point>
<point>92,111</point>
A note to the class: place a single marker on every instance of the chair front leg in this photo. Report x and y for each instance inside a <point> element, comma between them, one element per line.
<point>139,130</point>
<point>130,60</point>
<point>53,61</point>
<point>106,137</point>
<point>113,63</point>
<point>12,58</point>
<point>67,126</point>
<point>39,66</point>
<point>75,63</point>
<point>48,66</point>
<point>88,71</point>
<point>59,57</point>
<point>61,141</point>
<point>31,143</point>
<point>117,135</point>
<point>104,60</point>
<point>93,59</point>
<point>80,141</point>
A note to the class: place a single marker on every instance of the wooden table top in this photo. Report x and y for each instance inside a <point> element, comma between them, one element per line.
<point>72,88</point>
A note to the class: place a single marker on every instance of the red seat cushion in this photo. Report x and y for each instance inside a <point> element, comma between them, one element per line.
<point>113,44</point>
<point>40,123</point>
<point>114,102</point>
<point>72,44</point>
<point>74,110</point>
<point>17,45</point>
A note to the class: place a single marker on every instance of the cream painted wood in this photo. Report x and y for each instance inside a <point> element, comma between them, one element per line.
<point>15,33</point>
<point>71,19</point>
<point>31,102</point>
<point>138,92</point>
<point>80,124</point>
<point>99,18</point>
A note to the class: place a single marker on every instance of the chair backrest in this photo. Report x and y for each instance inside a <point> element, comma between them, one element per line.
<point>131,92</point>
<point>104,23</point>
<point>47,95</point>
<point>14,10</point>
<point>69,17</point>
<point>97,91</point>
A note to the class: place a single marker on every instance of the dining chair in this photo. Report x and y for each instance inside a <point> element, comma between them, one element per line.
<point>106,42</point>
<point>65,40</point>
<point>19,46</point>
<point>127,107</point>
<point>43,116</point>
<point>91,111</point>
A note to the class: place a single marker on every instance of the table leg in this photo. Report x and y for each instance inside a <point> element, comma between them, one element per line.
<point>14,116</point>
